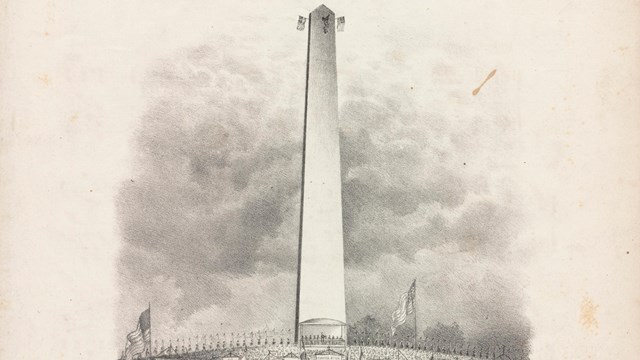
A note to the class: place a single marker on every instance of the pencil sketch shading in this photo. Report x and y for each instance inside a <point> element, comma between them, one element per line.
<point>259,222</point>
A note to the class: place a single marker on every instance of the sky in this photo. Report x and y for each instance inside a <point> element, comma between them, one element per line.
<point>146,144</point>
<point>210,215</point>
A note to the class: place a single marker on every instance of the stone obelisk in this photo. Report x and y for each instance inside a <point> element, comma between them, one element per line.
<point>320,304</point>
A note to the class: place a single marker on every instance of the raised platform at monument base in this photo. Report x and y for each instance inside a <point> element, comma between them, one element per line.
<point>322,334</point>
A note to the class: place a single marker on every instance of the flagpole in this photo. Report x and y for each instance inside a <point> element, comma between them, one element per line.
<point>415,315</point>
<point>150,350</point>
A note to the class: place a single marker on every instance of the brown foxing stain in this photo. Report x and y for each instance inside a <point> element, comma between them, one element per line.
<point>588,312</point>
<point>44,79</point>
<point>477,90</point>
<point>73,118</point>
<point>3,304</point>
<point>397,56</point>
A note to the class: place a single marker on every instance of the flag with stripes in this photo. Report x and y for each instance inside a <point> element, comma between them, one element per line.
<point>138,341</point>
<point>405,307</point>
<point>340,23</point>
<point>301,21</point>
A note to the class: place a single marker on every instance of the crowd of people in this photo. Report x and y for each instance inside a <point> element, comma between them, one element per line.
<point>287,350</point>
<point>394,353</point>
<point>323,340</point>
<point>284,340</point>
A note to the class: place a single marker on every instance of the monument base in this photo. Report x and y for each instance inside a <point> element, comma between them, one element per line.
<point>322,334</point>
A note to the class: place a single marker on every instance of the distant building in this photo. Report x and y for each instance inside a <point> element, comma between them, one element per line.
<point>291,356</point>
<point>329,354</point>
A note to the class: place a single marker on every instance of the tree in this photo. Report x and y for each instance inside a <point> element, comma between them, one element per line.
<point>440,332</point>
<point>405,331</point>
<point>368,326</point>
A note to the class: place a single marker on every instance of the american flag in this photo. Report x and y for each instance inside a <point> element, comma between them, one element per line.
<point>405,307</point>
<point>340,23</point>
<point>139,340</point>
<point>301,21</point>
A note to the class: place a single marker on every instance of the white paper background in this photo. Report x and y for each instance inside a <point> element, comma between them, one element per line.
<point>71,98</point>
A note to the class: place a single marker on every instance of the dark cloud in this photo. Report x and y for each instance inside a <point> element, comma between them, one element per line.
<point>217,169</point>
<point>389,172</point>
<point>214,196</point>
